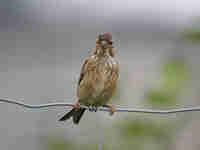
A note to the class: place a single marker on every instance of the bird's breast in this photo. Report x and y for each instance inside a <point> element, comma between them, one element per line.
<point>99,82</point>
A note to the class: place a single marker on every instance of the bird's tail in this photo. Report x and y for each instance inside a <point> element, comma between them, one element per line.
<point>75,114</point>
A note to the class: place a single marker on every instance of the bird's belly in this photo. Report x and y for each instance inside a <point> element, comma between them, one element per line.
<point>96,101</point>
<point>97,96</point>
<point>97,87</point>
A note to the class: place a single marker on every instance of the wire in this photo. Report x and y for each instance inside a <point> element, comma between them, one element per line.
<point>118,108</point>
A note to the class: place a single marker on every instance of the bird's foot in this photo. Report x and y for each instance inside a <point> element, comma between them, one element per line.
<point>111,107</point>
<point>77,105</point>
<point>92,108</point>
<point>95,109</point>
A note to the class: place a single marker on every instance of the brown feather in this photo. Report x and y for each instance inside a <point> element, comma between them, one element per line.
<point>98,77</point>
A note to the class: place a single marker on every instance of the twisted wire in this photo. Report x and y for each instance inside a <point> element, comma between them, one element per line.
<point>118,108</point>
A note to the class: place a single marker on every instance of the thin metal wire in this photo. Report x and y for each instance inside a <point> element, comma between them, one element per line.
<point>118,108</point>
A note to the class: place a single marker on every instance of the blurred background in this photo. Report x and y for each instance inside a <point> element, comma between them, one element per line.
<point>43,44</point>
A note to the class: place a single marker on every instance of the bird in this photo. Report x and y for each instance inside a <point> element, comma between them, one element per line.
<point>98,79</point>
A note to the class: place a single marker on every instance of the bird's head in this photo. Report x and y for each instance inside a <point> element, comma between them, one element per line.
<point>105,40</point>
<point>104,44</point>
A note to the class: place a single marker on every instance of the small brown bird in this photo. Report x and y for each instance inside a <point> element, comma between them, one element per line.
<point>98,79</point>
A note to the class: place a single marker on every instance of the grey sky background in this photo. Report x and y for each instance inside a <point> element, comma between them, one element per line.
<point>113,14</point>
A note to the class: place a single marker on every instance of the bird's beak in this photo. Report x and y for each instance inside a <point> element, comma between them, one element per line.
<point>103,44</point>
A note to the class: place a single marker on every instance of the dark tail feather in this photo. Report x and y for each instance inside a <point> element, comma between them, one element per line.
<point>76,114</point>
<point>68,115</point>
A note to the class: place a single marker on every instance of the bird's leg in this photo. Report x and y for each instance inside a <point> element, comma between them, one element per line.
<point>77,105</point>
<point>111,107</point>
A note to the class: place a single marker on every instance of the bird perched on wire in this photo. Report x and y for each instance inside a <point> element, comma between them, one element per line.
<point>98,79</point>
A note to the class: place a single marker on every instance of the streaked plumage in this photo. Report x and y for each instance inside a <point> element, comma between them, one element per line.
<point>98,78</point>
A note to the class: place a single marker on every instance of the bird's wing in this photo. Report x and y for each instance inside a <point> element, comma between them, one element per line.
<point>84,89</point>
<point>83,70</point>
<point>88,64</point>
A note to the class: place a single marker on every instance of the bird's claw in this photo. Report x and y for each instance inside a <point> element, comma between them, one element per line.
<point>95,109</point>
<point>92,108</point>
<point>112,108</point>
<point>76,106</point>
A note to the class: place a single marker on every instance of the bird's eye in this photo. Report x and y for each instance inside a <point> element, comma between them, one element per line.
<point>100,37</point>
